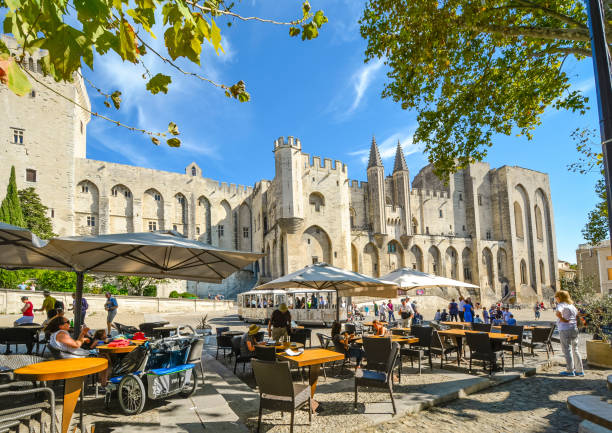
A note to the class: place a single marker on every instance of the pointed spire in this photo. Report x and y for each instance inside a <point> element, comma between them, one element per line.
<point>375,160</point>
<point>400,161</point>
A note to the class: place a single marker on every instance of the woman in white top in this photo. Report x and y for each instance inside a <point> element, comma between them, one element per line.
<point>568,333</point>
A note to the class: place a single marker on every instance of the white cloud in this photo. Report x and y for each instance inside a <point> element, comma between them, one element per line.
<point>98,129</point>
<point>585,86</point>
<point>362,80</point>
<point>388,146</point>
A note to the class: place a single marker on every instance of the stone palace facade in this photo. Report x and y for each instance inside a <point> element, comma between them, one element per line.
<point>492,227</point>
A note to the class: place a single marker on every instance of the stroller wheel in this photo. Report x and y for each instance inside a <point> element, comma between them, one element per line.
<point>190,387</point>
<point>131,394</point>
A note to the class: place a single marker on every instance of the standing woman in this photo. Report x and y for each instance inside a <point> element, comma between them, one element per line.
<point>568,333</point>
<point>468,312</point>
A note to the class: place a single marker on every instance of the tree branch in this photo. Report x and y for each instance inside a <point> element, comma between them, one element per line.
<point>576,35</point>
<point>526,4</point>
<point>206,9</point>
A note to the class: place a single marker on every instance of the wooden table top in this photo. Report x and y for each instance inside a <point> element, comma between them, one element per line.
<point>394,338</point>
<point>62,369</point>
<point>312,357</point>
<point>525,328</point>
<point>400,329</point>
<point>282,346</point>
<point>122,349</point>
<point>492,335</point>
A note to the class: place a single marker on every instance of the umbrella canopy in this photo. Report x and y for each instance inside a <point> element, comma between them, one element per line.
<point>164,254</point>
<point>20,248</point>
<point>412,279</point>
<point>346,283</point>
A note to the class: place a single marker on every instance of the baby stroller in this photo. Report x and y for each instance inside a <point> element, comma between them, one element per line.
<point>156,370</point>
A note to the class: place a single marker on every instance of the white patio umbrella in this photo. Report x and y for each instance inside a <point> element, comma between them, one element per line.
<point>164,254</point>
<point>322,276</point>
<point>407,278</point>
<point>20,248</point>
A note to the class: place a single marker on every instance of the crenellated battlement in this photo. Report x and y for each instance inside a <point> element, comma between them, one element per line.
<point>328,164</point>
<point>429,193</point>
<point>356,184</point>
<point>290,142</point>
<point>232,188</point>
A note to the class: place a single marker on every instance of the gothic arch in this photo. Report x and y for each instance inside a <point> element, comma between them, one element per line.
<point>317,246</point>
<point>267,260</point>
<point>416,258</point>
<point>538,223</point>
<point>354,258</point>
<point>466,259</point>
<point>316,201</point>
<point>121,209</point>
<point>152,210</point>
<point>203,219</point>
<point>370,260</point>
<point>542,273</point>
<point>415,226</point>
<point>502,263</point>
<point>433,260</point>
<point>523,270</point>
<point>395,254</point>
<point>225,229</point>
<point>529,235</point>
<point>352,216</point>
<point>519,229</point>
<point>87,208</point>
<point>244,227</point>
<point>487,262</point>
<point>451,262</point>
<point>180,215</point>
<point>550,261</point>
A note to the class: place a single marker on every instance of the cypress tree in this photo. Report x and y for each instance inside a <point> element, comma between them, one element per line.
<point>10,210</point>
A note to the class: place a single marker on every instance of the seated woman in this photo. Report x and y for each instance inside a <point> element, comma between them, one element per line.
<point>62,344</point>
<point>248,341</point>
<point>379,329</point>
<point>342,339</point>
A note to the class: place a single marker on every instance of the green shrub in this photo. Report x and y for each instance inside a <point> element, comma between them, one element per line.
<point>150,291</point>
<point>174,294</point>
<point>188,295</point>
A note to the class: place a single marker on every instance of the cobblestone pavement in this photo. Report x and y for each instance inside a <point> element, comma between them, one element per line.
<point>530,405</point>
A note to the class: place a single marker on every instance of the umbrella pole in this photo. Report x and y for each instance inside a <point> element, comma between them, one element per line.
<point>78,304</point>
<point>338,305</point>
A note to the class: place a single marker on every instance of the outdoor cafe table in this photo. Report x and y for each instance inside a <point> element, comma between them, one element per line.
<point>105,348</point>
<point>232,333</point>
<point>73,371</point>
<point>394,339</point>
<point>284,347</point>
<point>469,324</point>
<point>370,324</point>
<point>496,337</point>
<point>313,358</point>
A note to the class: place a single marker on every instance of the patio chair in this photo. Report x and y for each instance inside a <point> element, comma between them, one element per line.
<point>481,327</point>
<point>377,352</point>
<point>417,350</point>
<point>324,340</point>
<point>195,356</point>
<point>221,329</point>
<point>440,347</point>
<point>376,378</point>
<point>125,329</point>
<point>399,332</point>
<point>265,353</point>
<point>147,328</point>
<point>482,349</point>
<point>23,413</point>
<point>224,342</point>
<point>298,336</point>
<point>239,358</point>
<point>18,335</point>
<point>277,391</point>
<point>514,344</point>
<point>540,339</point>
<point>350,328</point>
<point>456,326</point>
<point>339,347</point>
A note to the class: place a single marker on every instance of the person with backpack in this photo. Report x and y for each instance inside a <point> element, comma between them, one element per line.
<point>84,307</point>
<point>49,305</point>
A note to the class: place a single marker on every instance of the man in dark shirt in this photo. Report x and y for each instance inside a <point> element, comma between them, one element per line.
<point>279,325</point>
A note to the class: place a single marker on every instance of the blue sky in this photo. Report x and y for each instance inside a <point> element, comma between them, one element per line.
<point>319,91</point>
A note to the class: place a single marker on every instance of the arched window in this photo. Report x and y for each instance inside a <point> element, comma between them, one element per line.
<point>523,272</point>
<point>542,273</point>
<point>518,220</point>
<point>538,218</point>
<point>415,226</point>
<point>316,200</point>
<point>193,171</point>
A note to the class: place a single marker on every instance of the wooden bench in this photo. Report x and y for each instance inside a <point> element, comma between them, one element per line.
<point>592,408</point>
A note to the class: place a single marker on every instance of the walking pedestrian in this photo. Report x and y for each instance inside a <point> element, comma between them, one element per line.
<point>48,304</point>
<point>279,325</point>
<point>84,307</point>
<point>568,333</point>
<point>382,311</point>
<point>391,315</point>
<point>468,312</point>
<point>22,285</point>
<point>26,311</point>
<point>536,310</point>
<point>111,307</point>
<point>461,305</point>
<point>453,310</point>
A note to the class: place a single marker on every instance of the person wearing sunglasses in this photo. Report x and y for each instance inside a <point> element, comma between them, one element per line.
<point>62,342</point>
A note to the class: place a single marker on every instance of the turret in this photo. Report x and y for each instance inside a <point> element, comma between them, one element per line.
<point>289,170</point>
<point>376,190</point>
<point>401,182</point>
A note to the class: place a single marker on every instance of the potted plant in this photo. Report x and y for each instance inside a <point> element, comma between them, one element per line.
<point>203,327</point>
<point>596,318</point>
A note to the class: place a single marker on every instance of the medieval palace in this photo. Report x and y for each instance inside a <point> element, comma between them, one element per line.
<point>492,227</point>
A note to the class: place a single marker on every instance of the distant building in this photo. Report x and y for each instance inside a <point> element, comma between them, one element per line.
<point>595,262</point>
<point>491,227</point>
<point>567,271</point>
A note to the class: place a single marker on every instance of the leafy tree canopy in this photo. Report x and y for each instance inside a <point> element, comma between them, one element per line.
<point>35,214</point>
<point>71,31</point>
<point>10,210</point>
<point>475,68</point>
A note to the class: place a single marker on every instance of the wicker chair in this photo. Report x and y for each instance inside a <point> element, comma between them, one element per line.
<point>417,350</point>
<point>481,327</point>
<point>264,353</point>
<point>482,349</point>
<point>277,390</point>
<point>224,342</point>
<point>377,378</point>
<point>514,344</point>
<point>377,352</point>
<point>195,356</point>
<point>541,339</point>
<point>440,347</point>
<point>239,358</point>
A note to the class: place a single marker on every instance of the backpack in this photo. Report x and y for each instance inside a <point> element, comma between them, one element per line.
<point>59,305</point>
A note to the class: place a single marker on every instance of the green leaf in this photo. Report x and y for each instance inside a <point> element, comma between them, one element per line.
<point>144,17</point>
<point>216,37</point>
<point>127,42</point>
<point>116,98</point>
<point>159,83</point>
<point>107,104</point>
<point>309,31</point>
<point>18,82</point>
<point>3,48</point>
<point>294,31</point>
<point>182,7</point>
<point>173,142</point>
<point>173,129</point>
<point>319,19</point>
<point>306,8</point>
<point>155,141</point>
<point>13,4</point>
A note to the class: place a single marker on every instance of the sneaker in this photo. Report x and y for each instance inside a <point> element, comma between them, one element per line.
<point>579,374</point>
<point>567,373</point>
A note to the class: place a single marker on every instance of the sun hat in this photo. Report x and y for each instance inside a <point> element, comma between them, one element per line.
<point>254,329</point>
<point>282,307</point>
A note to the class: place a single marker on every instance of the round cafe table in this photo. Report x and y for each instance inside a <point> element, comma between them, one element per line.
<point>105,348</point>
<point>73,371</point>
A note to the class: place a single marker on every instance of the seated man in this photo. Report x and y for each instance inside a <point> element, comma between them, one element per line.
<point>511,320</point>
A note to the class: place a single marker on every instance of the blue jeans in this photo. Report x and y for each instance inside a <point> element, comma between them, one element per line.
<point>356,352</point>
<point>391,316</point>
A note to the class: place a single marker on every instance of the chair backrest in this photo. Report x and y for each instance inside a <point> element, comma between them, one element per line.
<point>350,328</point>
<point>482,327</point>
<point>436,340</point>
<point>435,325</point>
<point>260,336</point>
<point>479,342</point>
<point>236,344</point>
<point>298,337</point>
<point>224,341</point>
<point>513,330</point>
<point>339,347</point>
<point>273,378</point>
<point>265,353</point>
<point>423,333</point>
<point>222,329</point>
<point>377,352</point>
<point>397,332</point>
<point>456,326</point>
<point>540,335</point>
<point>392,359</point>
<point>324,340</point>
<point>195,351</point>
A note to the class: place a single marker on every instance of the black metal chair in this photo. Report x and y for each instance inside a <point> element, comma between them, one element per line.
<point>378,378</point>
<point>125,329</point>
<point>224,342</point>
<point>376,352</point>
<point>417,350</point>
<point>440,347</point>
<point>147,328</point>
<point>350,328</point>
<point>514,344</point>
<point>481,327</point>
<point>481,349</point>
<point>239,358</point>
<point>195,356</point>
<point>540,339</point>
<point>265,353</point>
<point>15,414</point>
<point>277,391</point>
<point>298,336</point>
<point>339,347</point>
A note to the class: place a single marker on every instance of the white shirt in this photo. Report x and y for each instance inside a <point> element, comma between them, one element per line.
<point>568,312</point>
<point>461,304</point>
<point>437,316</point>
